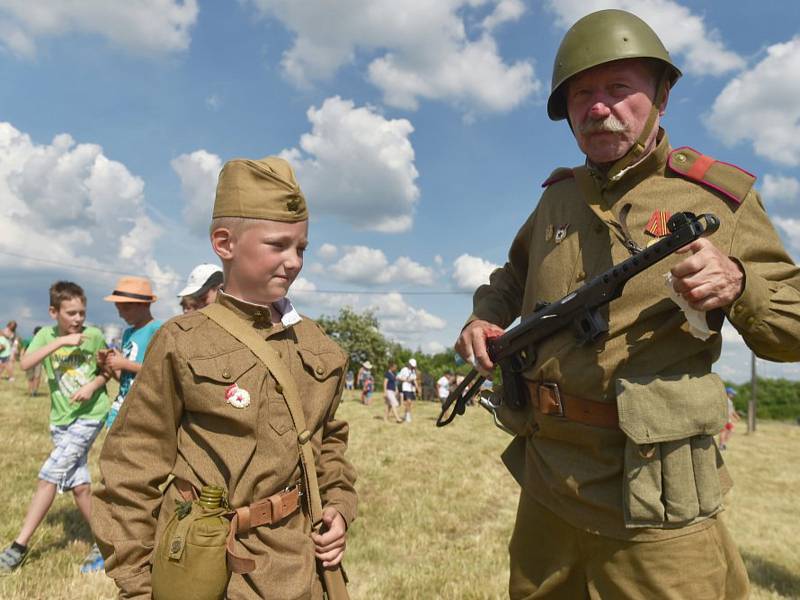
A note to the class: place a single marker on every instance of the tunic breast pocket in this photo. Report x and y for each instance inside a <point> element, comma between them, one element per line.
<point>558,272</point>
<point>319,383</point>
<point>223,383</point>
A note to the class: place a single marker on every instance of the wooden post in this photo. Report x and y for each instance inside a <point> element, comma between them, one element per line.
<point>752,404</point>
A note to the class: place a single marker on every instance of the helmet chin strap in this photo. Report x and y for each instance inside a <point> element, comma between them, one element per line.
<point>637,151</point>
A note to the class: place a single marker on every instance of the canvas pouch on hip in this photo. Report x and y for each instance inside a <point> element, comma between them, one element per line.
<point>190,560</point>
<point>671,460</point>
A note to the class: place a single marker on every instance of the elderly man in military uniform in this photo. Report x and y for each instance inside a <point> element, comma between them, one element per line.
<point>622,484</point>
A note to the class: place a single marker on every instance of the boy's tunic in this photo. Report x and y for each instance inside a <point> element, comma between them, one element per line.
<point>649,364</point>
<point>177,420</point>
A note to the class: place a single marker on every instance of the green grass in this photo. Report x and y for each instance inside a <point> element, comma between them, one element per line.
<point>436,507</point>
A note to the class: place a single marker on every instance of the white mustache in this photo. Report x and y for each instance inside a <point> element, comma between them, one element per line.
<point>610,124</point>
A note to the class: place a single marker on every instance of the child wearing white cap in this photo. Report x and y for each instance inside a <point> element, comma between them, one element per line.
<point>201,287</point>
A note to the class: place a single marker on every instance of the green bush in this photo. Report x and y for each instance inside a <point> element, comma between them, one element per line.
<point>776,398</point>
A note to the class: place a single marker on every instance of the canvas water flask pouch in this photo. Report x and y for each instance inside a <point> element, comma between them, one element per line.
<point>670,473</point>
<point>190,559</point>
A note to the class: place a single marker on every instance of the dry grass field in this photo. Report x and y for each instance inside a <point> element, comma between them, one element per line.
<point>436,508</point>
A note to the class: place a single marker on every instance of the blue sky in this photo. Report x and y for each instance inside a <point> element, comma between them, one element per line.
<point>418,130</point>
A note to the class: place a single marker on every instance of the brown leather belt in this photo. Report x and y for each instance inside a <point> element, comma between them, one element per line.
<point>266,511</point>
<point>549,400</point>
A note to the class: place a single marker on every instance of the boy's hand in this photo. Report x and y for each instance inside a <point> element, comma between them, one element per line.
<point>329,546</point>
<point>84,393</point>
<point>72,339</point>
<point>115,360</point>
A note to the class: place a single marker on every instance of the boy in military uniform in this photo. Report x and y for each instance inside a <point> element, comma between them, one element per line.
<point>622,483</point>
<point>205,410</point>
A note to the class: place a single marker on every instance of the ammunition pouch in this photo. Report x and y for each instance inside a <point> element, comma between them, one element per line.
<point>671,461</point>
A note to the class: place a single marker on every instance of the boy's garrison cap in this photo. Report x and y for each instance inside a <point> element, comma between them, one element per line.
<point>259,189</point>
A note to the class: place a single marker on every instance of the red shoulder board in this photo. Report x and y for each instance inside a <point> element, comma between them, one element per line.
<point>559,174</point>
<point>729,180</point>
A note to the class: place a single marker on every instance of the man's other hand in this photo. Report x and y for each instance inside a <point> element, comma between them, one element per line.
<point>471,344</point>
<point>707,279</point>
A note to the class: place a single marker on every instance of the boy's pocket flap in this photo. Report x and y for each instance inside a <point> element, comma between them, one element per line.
<point>223,368</point>
<point>659,409</point>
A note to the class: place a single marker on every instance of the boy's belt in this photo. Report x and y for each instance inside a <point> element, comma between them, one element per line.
<point>549,400</point>
<point>266,511</point>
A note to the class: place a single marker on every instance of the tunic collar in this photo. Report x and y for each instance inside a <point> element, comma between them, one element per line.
<point>258,313</point>
<point>652,163</point>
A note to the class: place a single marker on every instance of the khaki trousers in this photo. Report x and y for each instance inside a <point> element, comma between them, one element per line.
<point>552,559</point>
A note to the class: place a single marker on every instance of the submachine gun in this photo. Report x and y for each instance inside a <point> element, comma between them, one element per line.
<point>515,350</point>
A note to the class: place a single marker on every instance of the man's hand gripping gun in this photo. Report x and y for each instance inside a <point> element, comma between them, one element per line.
<point>515,350</point>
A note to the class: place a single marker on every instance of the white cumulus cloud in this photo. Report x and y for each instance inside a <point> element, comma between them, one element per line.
<point>417,49</point>
<point>370,266</point>
<point>779,188</point>
<point>399,320</point>
<point>68,202</point>
<point>327,251</point>
<point>469,272</point>
<point>791,227</point>
<point>701,49</point>
<point>198,173</point>
<point>357,165</point>
<point>760,106</point>
<point>143,26</point>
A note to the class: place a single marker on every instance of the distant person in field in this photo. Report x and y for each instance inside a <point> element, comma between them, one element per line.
<point>132,296</point>
<point>348,380</point>
<point>9,349</point>
<point>443,386</point>
<point>409,386</point>
<point>390,393</point>
<point>78,407</point>
<point>34,374</point>
<point>367,383</point>
<point>733,418</point>
<point>201,288</point>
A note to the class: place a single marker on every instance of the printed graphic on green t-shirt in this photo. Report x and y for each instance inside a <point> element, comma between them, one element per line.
<point>68,369</point>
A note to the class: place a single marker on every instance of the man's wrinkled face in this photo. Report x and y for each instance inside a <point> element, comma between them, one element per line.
<point>608,107</point>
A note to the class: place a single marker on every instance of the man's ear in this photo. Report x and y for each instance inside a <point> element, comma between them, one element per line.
<point>663,108</point>
<point>223,242</point>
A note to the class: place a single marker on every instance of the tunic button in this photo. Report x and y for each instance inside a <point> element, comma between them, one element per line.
<point>680,157</point>
<point>319,370</point>
<point>581,276</point>
<point>226,374</point>
<point>304,436</point>
<point>751,320</point>
<point>279,388</point>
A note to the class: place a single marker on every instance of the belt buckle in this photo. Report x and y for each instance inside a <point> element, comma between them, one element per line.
<point>290,488</point>
<point>552,389</point>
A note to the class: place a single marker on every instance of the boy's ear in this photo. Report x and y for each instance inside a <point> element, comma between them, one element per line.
<point>223,241</point>
<point>53,312</point>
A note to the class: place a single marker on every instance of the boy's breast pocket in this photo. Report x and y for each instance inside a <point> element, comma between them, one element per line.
<point>224,384</point>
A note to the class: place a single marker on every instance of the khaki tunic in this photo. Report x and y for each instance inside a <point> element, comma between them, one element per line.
<point>176,420</point>
<point>649,363</point>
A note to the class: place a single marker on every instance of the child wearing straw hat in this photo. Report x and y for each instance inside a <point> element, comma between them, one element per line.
<point>240,395</point>
<point>132,296</point>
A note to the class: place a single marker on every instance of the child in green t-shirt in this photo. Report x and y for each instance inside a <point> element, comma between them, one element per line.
<point>78,406</point>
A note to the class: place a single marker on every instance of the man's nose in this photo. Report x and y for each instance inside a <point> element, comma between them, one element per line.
<point>599,109</point>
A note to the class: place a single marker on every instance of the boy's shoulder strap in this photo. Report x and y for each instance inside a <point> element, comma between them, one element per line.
<point>228,320</point>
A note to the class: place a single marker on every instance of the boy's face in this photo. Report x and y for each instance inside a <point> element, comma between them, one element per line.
<point>133,313</point>
<point>69,316</point>
<point>264,260</point>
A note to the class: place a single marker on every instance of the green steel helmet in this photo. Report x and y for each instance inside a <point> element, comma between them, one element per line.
<point>598,38</point>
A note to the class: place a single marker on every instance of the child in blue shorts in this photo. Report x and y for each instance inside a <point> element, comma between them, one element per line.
<point>78,407</point>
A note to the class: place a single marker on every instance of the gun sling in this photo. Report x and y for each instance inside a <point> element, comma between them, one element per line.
<point>549,400</point>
